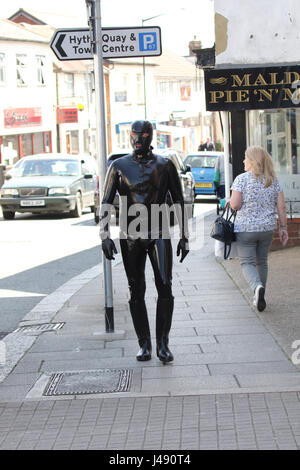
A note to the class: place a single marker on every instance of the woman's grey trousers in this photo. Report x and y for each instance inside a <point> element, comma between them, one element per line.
<point>253,249</point>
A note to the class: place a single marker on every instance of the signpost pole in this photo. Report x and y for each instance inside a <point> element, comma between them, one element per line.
<point>226,154</point>
<point>95,27</point>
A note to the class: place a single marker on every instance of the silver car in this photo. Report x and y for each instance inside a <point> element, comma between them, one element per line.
<point>50,183</point>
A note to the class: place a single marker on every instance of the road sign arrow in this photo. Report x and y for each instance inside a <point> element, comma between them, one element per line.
<point>61,37</point>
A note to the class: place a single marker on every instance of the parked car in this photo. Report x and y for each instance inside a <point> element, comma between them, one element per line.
<point>47,183</point>
<point>184,172</point>
<point>203,168</point>
<point>110,159</point>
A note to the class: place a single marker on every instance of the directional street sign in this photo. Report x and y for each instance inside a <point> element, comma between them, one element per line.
<point>75,44</point>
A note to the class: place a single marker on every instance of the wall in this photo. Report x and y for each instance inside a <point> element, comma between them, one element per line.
<point>294,235</point>
<point>257,32</point>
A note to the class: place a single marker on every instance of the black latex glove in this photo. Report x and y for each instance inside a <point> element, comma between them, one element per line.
<point>109,248</point>
<point>182,248</point>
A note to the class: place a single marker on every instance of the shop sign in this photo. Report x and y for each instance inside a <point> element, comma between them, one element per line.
<point>22,117</point>
<point>66,115</point>
<point>252,88</point>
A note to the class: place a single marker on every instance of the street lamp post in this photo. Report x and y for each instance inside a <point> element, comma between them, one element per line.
<point>144,65</point>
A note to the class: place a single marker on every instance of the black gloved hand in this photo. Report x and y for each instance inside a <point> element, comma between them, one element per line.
<point>109,248</point>
<point>183,248</point>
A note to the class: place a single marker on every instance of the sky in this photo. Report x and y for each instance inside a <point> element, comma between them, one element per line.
<point>180,21</point>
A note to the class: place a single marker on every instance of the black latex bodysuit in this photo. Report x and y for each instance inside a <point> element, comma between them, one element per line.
<point>145,180</point>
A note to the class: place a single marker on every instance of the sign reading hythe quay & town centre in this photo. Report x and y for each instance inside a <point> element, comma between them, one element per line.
<point>252,88</point>
<point>75,44</point>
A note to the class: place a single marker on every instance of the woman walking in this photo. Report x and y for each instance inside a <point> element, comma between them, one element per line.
<point>257,195</point>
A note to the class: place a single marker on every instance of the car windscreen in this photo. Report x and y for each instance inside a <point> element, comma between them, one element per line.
<point>197,161</point>
<point>43,167</point>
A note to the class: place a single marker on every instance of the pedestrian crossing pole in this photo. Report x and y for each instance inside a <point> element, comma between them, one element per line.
<point>94,20</point>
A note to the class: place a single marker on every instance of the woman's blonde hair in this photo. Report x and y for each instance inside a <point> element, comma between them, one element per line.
<point>262,165</point>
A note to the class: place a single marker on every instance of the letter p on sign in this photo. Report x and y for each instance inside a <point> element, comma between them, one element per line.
<point>147,41</point>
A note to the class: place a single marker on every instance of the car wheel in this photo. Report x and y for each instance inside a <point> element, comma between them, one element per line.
<point>8,215</point>
<point>77,212</point>
<point>96,216</point>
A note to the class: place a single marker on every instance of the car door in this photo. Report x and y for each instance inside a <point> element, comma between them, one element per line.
<point>184,178</point>
<point>89,182</point>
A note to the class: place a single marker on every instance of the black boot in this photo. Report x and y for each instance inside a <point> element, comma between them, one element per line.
<point>141,325</point>
<point>164,313</point>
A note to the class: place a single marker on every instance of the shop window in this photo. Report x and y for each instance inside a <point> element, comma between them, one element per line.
<point>47,136</point>
<point>38,142</point>
<point>163,140</point>
<point>22,69</point>
<point>2,68</point>
<point>40,61</point>
<point>27,144</point>
<point>278,131</point>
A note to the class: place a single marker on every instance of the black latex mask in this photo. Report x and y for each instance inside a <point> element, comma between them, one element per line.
<point>141,137</point>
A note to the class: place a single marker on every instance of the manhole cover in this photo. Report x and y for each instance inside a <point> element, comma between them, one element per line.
<point>40,328</point>
<point>89,381</point>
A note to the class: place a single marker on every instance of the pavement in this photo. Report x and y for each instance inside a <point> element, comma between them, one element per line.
<point>234,382</point>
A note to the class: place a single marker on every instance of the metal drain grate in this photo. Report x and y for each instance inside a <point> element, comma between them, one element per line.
<point>40,328</point>
<point>89,381</point>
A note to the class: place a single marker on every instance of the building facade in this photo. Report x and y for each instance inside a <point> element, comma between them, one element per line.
<point>256,78</point>
<point>27,94</point>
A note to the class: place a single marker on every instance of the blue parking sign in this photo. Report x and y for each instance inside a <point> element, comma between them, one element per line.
<point>148,41</point>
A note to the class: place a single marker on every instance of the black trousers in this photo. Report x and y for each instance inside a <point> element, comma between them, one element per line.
<point>134,254</point>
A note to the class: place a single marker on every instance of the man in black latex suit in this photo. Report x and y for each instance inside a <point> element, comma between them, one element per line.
<point>144,178</point>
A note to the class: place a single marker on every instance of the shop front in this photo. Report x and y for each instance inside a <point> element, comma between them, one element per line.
<point>263,104</point>
<point>20,136</point>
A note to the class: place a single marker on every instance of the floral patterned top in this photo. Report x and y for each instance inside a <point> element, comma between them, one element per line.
<point>258,211</point>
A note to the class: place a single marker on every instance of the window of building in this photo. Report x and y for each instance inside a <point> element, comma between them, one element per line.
<point>72,141</point>
<point>40,60</point>
<point>86,141</point>
<point>69,82</point>
<point>22,69</point>
<point>139,88</point>
<point>167,89</point>
<point>124,139</point>
<point>278,131</point>
<point>2,68</point>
